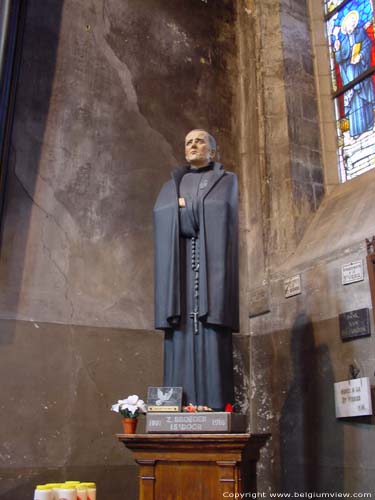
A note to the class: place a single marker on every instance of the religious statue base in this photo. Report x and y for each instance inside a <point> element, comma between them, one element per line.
<point>200,422</point>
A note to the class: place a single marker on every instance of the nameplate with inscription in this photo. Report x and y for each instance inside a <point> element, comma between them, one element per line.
<point>292,286</point>
<point>355,324</point>
<point>352,272</point>
<point>200,422</point>
<point>163,408</point>
<point>353,398</point>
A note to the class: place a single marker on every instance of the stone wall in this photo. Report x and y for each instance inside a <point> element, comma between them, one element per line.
<point>302,111</point>
<point>296,353</point>
<point>59,382</point>
<point>107,91</point>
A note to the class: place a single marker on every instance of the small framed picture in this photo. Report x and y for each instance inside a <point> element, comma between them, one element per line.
<point>164,399</point>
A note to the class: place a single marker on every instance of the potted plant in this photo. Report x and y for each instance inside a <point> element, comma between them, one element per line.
<point>129,408</point>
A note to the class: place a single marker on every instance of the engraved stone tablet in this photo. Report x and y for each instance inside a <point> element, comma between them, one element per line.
<point>259,301</point>
<point>292,286</point>
<point>200,422</point>
<point>353,398</point>
<point>352,272</point>
<point>164,399</point>
<point>355,324</point>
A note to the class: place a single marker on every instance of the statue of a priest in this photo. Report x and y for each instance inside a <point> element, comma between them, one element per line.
<point>196,274</point>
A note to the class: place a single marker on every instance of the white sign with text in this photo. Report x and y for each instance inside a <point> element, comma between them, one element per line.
<point>353,398</point>
<point>292,286</point>
<point>352,272</point>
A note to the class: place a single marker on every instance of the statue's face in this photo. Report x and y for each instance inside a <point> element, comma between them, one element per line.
<point>198,151</point>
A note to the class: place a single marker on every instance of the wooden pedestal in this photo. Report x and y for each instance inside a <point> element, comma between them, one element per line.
<point>194,466</point>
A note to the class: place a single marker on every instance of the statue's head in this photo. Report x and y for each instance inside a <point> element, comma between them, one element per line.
<point>200,148</point>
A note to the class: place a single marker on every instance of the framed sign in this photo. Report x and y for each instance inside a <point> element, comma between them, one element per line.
<point>353,398</point>
<point>355,324</point>
<point>164,399</point>
<point>292,286</point>
<point>352,272</point>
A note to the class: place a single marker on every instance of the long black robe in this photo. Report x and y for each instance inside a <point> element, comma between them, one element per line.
<point>201,364</point>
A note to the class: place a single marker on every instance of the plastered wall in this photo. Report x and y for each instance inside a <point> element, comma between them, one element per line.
<point>107,92</point>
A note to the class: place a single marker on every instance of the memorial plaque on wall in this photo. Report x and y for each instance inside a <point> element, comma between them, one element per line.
<point>259,301</point>
<point>352,272</point>
<point>355,324</point>
<point>292,286</point>
<point>353,398</point>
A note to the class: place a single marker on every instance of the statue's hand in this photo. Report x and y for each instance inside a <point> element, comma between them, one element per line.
<point>337,45</point>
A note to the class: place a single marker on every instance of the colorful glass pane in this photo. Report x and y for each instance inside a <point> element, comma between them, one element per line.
<point>355,130</point>
<point>330,5</point>
<point>351,42</point>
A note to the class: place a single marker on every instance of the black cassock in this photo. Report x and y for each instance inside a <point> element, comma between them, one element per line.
<point>198,356</point>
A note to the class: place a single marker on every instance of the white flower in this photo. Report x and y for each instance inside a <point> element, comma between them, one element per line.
<point>132,404</point>
<point>131,400</point>
<point>117,406</point>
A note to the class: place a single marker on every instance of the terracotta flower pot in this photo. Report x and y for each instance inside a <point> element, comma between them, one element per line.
<point>129,425</point>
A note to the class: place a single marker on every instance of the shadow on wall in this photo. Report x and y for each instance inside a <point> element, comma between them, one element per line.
<point>311,442</point>
<point>34,88</point>
<point>37,69</point>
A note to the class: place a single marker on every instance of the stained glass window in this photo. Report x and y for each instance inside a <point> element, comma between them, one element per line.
<point>331,5</point>
<point>350,30</point>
